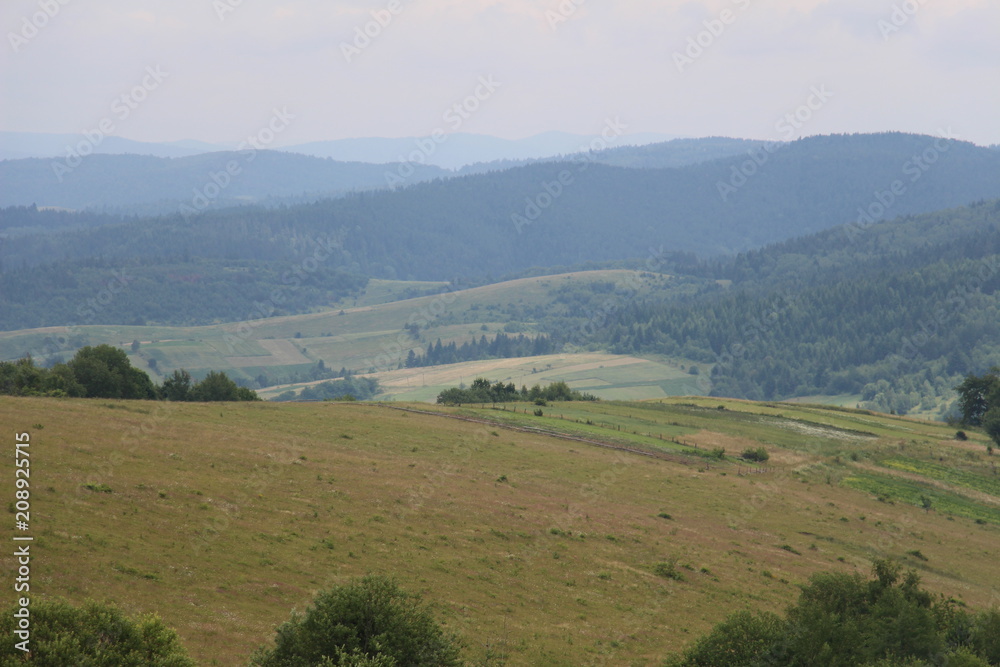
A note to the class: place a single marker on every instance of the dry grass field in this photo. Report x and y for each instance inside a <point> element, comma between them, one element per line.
<point>222,518</point>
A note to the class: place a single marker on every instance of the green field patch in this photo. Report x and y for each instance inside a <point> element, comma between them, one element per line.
<point>986,483</point>
<point>892,489</point>
<point>588,383</point>
<point>238,347</point>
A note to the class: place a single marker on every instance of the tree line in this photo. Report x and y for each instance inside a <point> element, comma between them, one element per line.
<point>105,371</point>
<point>500,346</point>
<point>484,391</point>
<point>350,388</point>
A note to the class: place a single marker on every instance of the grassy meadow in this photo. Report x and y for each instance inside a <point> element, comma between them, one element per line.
<point>533,549</point>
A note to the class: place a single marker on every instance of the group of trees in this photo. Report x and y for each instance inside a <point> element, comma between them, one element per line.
<point>483,391</point>
<point>351,388</point>
<point>104,371</point>
<point>843,620</point>
<point>979,401</point>
<point>501,346</point>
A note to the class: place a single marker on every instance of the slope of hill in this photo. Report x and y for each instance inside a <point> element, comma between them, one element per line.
<point>567,213</point>
<point>896,312</point>
<point>354,334</point>
<point>542,549</point>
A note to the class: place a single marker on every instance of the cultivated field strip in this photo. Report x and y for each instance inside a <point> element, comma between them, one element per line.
<point>676,458</point>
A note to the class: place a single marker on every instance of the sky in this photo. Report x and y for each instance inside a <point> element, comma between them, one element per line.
<point>311,70</point>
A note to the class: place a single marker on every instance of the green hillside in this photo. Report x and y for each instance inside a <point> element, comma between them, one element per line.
<point>360,334</point>
<point>222,518</point>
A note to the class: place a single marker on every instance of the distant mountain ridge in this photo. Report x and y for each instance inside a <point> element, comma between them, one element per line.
<point>454,152</point>
<point>543,214</point>
<point>151,185</point>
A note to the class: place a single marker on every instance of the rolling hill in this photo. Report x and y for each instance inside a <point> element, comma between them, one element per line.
<point>533,537</point>
<point>360,334</point>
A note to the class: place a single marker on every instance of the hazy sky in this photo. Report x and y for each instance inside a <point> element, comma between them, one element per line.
<point>216,70</point>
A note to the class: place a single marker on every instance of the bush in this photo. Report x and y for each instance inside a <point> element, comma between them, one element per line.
<point>756,454</point>
<point>843,620</point>
<point>742,640</point>
<point>986,635</point>
<point>668,570</point>
<point>367,622</point>
<point>95,635</point>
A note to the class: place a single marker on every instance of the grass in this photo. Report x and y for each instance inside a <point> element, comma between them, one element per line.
<point>978,478</point>
<point>223,518</point>
<point>362,336</point>
<point>895,490</point>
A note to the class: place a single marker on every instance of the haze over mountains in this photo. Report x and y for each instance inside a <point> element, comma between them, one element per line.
<point>702,211</point>
<point>156,183</point>
<point>455,151</point>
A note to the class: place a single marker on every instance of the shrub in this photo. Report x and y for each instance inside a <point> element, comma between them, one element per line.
<point>742,640</point>
<point>668,570</point>
<point>97,488</point>
<point>755,454</point>
<point>94,634</point>
<point>370,622</point>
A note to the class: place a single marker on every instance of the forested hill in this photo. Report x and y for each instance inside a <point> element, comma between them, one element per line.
<point>897,312</point>
<point>567,213</point>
